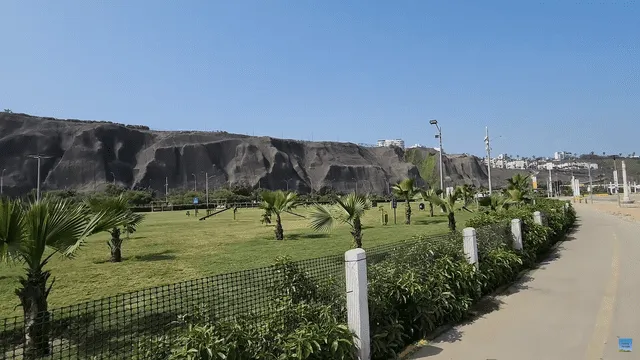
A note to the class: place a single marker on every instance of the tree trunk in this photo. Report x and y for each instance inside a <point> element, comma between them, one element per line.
<point>407,213</point>
<point>115,244</point>
<point>357,233</point>
<point>431,209</point>
<point>452,221</point>
<point>279,231</point>
<point>33,297</point>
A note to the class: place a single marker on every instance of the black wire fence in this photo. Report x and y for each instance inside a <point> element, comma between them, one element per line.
<point>113,327</point>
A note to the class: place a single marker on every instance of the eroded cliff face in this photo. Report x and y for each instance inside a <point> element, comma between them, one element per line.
<point>88,155</point>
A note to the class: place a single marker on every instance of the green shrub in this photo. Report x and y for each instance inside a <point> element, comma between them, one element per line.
<point>306,320</point>
<point>416,289</point>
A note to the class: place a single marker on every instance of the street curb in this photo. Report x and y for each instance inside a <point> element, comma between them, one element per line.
<point>413,348</point>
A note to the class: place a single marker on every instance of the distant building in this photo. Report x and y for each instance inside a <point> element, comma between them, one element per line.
<point>395,142</point>
<point>416,146</point>
<point>559,155</point>
<point>516,164</point>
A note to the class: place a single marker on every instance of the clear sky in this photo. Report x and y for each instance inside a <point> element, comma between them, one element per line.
<point>545,77</point>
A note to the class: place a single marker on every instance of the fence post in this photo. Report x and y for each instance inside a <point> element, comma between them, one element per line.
<point>355,262</point>
<point>537,217</point>
<point>471,246</point>
<point>516,231</point>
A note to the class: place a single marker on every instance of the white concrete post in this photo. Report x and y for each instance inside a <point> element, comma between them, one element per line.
<point>516,231</point>
<point>625,184</point>
<point>537,217</point>
<point>471,246</point>
<point>355,263</point>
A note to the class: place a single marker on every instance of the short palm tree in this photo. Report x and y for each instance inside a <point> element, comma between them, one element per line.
<point>519,182</point>
<point>129,223</point>
<point>428,195</point>
<point>496,202</point>
<point>467,194</point>
<point>31,234</point>
<point>406,190</point>
<point>348,209</point>
<point>275,203</point>
<point>448,205</point>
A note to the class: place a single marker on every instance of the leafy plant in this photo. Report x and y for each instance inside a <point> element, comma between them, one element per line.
<point>31,234</point>
<point>406,190</point>
<point>348,209</point>
<point>129,221</point>
<point>275,203</point>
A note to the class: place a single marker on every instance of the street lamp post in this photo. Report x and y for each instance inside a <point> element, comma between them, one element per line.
<point>39,157</point>
<point>195,182</point>
<point>590,184</point>
<point>356,181</point>
<point>488,147</point>
<point>113,176</point>
<point>287,182</point>
<point>2,180</point>
<point>439,136</point>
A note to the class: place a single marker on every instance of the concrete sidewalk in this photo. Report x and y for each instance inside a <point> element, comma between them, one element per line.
<point>573,307</point>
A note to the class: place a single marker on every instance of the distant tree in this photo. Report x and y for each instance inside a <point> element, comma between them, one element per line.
<point>427,195</point>
<point>620,154</point>
<point>8,111</point>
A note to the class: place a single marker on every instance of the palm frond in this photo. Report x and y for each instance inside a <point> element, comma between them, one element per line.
<point>321,218</point>
<point>12,231</point>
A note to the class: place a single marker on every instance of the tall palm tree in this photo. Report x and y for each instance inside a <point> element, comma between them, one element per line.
<point>348,209</point>
<point>31,234</point>
<point>427,195</point>
<point>519,189</point>
<point>407,191</point>
<point>129,223</point>
<point>275,203</point>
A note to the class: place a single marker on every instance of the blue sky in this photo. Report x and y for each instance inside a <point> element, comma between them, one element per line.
<point>544,77</point>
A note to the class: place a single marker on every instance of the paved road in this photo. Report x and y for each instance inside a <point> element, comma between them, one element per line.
<point>573,307</point>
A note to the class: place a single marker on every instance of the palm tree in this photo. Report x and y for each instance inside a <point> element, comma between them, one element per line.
<point>496,202</point>
<point>518,189</point>
<point>427,196</point>
<point>275,203</point>
<point>406,190</point>
<point>129,223</point>
<point>448,205</point>
<point>31,234</point>
<point>467,193</point>
<point>348,209</point>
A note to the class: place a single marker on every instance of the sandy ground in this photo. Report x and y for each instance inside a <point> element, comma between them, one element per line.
<point>609,205</point>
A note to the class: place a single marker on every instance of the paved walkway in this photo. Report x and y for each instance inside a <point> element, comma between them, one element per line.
<point>573,307</point>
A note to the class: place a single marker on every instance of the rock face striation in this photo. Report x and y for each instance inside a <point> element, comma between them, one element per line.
<point>87,155</point>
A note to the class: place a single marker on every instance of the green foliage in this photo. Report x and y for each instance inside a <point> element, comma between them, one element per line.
<point>427,165</point>
<point>348,209</point>
<point>417,288</point>
<point>307,323</point>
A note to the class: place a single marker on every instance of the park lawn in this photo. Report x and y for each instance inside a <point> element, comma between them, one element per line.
<point>171,247</point>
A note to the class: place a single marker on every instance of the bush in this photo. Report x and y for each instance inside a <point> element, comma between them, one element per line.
<point>306,320</point>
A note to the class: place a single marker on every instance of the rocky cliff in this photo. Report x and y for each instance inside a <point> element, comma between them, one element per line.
<point>86,155</point>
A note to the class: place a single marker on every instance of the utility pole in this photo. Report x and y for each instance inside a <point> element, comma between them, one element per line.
<point>114,178</point>
<point>439,136</point>
<point>195,183</point>
<point>488,147</point>
<point>166,190</point>
<point>550,184</point>
<point>39,157</point>
<point>2,180</point>
<point>206,188</point>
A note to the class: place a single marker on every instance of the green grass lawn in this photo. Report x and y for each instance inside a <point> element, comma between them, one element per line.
<point>171,247</point>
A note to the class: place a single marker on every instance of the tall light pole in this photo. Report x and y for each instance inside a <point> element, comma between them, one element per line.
<point>113,176</point>
<point>488,147</point>
<point>439,136</point>
<point>39,157</point>
<point>356,181</point>
<point>550,183</point>
<point>195,182</point>
<point>2,180</point>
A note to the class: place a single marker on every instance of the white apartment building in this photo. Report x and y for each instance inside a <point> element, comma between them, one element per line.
<point>516,164</point>
<point>559,155</point>
<point>395,142</point>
